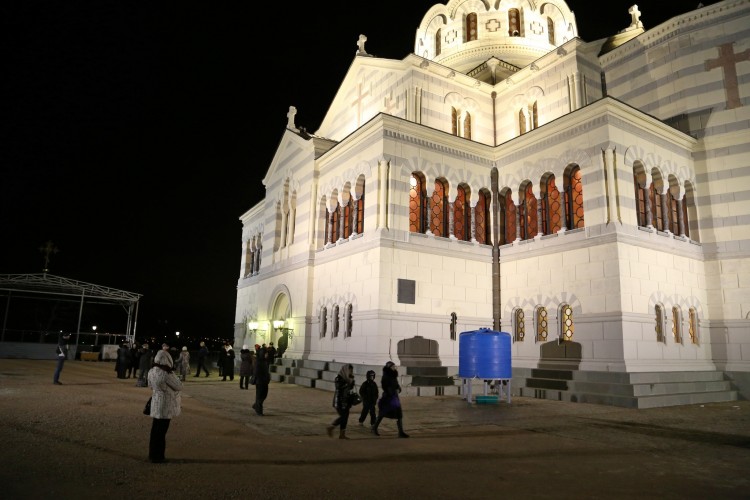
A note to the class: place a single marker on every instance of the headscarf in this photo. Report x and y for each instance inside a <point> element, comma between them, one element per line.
<point>163,358</point>
<point>344,372</point>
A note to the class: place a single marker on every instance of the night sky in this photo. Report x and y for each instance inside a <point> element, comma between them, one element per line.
<point>133,135</point>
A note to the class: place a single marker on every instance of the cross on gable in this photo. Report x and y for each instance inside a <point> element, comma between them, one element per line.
<point>358,102</point>
<point>727,61</point>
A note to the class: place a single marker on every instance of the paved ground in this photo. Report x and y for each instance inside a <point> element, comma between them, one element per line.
<point>88,439</point>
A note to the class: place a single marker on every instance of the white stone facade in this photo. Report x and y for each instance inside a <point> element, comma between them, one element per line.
<point>670,104</point>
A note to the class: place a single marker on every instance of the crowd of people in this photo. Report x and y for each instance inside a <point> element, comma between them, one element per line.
<point>165,373</point>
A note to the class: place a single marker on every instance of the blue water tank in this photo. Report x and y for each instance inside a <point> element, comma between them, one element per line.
<point>484,354</point>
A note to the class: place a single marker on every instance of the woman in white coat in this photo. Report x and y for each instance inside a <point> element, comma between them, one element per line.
<point>165,403</point>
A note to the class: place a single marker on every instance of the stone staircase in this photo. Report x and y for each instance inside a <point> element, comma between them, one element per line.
<point>414,380</point>
<point>628,390</point>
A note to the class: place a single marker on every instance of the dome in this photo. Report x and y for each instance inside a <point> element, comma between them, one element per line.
<point>491,39</point>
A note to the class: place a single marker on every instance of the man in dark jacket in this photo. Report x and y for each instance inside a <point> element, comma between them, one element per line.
<point>262,379</point>
<point>61,353</point>
<point>202,359</point>
<point>369,392</point>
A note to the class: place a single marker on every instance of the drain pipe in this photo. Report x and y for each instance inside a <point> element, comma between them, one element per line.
<point>496,302</point>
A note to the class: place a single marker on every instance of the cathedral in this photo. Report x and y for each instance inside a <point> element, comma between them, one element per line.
<point>591,199</point>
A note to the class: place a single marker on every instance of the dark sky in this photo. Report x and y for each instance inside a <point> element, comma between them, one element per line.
<point>134,134</point>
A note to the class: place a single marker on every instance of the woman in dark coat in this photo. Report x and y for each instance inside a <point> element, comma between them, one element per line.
<point>344,383</point>
<point>389,405</point>
<point>123,360</point>
<point>228,364</point>
<point>246,367</point>
<point>262,379</point>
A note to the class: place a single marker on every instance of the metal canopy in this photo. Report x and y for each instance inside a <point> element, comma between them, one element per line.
<point>48,284</point>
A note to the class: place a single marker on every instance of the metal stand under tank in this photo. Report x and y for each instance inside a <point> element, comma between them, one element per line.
<point>486,355</point>
<point>499,385</point>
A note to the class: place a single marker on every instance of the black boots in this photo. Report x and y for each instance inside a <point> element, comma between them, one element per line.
<point>401,432</point>
<point>375,427</point>
<point>400,425</point>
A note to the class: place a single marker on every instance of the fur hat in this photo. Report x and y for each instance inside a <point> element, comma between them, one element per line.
<point>203,344</point>
<point>163,358</point>
<point>184,348</point>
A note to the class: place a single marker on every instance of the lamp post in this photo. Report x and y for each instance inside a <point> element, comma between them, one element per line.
<point>96,337</point>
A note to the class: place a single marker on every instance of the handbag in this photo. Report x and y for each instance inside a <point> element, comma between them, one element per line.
<point>252,379</point>
<point>353,398</point>
<point>147,408</point>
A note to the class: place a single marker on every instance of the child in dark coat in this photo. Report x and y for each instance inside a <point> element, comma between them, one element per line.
<point>369,392</point>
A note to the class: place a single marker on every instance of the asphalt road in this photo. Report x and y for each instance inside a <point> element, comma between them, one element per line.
<point>88,439</point>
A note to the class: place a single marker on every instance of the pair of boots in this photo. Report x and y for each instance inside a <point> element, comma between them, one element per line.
<point>342,432</point>
<point>400,425</point>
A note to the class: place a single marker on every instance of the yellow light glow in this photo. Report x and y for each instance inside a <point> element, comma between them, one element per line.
<point>278,323</point>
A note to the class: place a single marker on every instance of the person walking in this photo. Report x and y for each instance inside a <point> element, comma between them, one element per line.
<point>369,393</point>
<point>132,360</point>
<point>123,360</point>
<point>246,367</point>
<point>271,354</point>
<point>145,361</point>
<point>202,360</point>
<point>183,363</point>
<point>166,404</point>
<point>389,405</point>
<point>222,357</point>
<point>344,384</point>
<point>262,379</point>
<point>228,363</point>
<point>61,352</point>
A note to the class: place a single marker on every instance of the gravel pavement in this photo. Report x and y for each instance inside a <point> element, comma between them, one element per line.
<point>88,438</point>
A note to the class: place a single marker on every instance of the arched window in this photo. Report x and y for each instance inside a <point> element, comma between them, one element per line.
<point>521,123</point>
<point>438,42</point>
<point>348,218</point>
<point>509,220</point>
<point>659,327</point>
<point>677,324</point>
<point>482,219</point>
<point>249,258</point>
<point>454,121</point>
<point>573,187</point>
<point>323,321</point>
<point>417,204</point>
<point>674,213</point>
<point>519,326</point>
<point>534,116</point>
<point>693,326</point>
<point>361,215</point>
<point>541,324</point>
<point>359,223</point>
<point>334,218</point>
<point>514,22</point>
<point>348,325</point>
<point>471,27</point>
<point>566,322</point>
<point>550,222</point>
<point>439,209</point>
<point>551,31</point>
<point>467,126</point>
<point>461,215</point>
<point>657,209</point>
<point>527,215</point>
<point>335,321</point>
<point>639,181</point>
